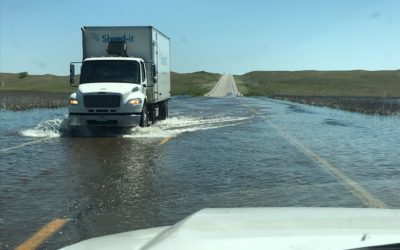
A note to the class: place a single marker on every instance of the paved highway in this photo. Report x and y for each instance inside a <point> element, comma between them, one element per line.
<point>225,86</point>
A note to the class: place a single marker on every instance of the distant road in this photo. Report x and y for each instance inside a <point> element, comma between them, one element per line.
<point>225,86</point>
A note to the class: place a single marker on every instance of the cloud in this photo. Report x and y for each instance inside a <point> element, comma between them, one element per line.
<point>38,64</point>
<point>376,14</point>
<point>185,41</point>
<point>16,43</point>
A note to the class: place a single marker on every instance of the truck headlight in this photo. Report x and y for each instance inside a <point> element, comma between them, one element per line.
<point>135,102</point>
<point>72,101</point>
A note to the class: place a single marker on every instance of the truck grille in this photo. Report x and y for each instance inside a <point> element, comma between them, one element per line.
<point>102,101</point>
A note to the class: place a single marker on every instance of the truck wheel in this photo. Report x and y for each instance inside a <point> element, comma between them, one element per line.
<point>144,118</point>
<point>163,110</point>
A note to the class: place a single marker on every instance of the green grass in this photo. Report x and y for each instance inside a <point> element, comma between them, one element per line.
<point>197,83</point>
<point>35,83</point>
<point>262,83</point>
<point>320,83</point>
<point>49,91</point>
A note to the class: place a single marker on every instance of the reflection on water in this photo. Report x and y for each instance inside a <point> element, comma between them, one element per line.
<point>335,122</point>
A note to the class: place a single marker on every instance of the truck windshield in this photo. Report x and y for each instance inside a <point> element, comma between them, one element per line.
<point>110,71</point>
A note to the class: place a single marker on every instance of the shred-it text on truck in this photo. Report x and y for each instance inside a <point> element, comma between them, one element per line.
<point>124,79</point>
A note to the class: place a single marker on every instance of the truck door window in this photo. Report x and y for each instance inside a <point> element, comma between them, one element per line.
<point>143,71</point>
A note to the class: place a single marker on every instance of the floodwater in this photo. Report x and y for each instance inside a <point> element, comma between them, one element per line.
<point>214,152</point>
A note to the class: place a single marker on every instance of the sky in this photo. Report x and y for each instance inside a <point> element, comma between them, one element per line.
<point>236,36</point>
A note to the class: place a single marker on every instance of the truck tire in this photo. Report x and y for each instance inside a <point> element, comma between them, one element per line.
<point>144,118</point>
<point>163,110</point>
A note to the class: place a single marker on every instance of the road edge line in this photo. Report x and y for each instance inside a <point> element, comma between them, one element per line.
<point>4,150</point>
<point>354,187</point>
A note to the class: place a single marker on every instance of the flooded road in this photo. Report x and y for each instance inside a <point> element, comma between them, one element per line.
<point>211,152</point>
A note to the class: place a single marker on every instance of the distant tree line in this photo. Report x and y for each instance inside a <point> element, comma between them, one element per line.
<point>23,74</point>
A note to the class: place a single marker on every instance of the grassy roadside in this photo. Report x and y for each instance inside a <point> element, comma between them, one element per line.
<point>24,100</point>
<point>368,92</point>
<point>35,83</point>
<point>320,83</point>
<point>195,84</point>
<point>50,91</point>
<point>371,92</point>
<point>33,91</point>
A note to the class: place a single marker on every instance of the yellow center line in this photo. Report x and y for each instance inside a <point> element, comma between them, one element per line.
<point>165,140</point>
<point>45,232</point>
<point>354,187</point>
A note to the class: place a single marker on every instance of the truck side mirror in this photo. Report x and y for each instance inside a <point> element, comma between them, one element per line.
<point>71,74</point>
<point>154,73</point>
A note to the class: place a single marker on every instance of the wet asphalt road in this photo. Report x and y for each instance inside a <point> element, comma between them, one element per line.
<point>224,87</point>
<point>211,152</point>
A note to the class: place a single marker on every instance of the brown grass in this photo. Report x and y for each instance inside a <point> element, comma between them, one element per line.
<point>365,105</point>
<point>23,100</point>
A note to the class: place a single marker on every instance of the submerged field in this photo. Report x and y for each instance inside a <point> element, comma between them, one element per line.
<point>371,92</point>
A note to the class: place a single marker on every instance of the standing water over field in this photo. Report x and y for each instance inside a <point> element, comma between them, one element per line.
<point>216,152</point>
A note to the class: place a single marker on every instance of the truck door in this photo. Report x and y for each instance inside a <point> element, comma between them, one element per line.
<point>155,58</point>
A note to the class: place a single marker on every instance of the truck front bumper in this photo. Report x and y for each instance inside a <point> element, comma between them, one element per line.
<point>105,120</point>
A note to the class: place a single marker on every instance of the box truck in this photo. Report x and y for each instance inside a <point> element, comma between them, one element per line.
<point>124,78</point>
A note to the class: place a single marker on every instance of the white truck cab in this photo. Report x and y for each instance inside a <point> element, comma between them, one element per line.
<point>124,80</point>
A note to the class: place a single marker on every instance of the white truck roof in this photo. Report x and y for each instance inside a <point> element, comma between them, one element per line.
<point>111,58</point>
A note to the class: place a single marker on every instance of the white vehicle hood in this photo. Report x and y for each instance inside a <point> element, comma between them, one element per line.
<point>108,87</point>
<point>263,228</point>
